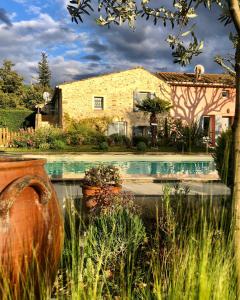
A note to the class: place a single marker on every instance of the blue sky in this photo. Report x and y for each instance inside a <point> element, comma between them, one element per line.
<point>29,27</point>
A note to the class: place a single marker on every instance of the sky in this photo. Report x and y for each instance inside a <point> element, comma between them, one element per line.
<point>29,27</point>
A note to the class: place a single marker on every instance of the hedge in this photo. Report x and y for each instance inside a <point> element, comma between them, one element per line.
<point>15,119</point>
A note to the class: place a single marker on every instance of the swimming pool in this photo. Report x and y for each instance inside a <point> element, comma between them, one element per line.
<point>140,167</point>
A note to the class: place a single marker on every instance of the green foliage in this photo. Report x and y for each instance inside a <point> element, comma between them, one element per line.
<point>103,146</point>
<point>48,135</point>
<point>43,138</point>
<point>58,145</point>
<point>223,157</point>
<point>33,95</point>
<point>8,100</point>
<point>14,94</point>
<point>15,119</point>
<point>44,146</point>
<point>184,44</point>
<point>141,147</point>
<point>119,140</point>
<point>113,242</point>
<point>44,73</point>
<point>11,84</point>
<point>137,139</point>
<point>117,254</point>
<point>98,124</point>
<point>154,105</point>
<point>22,142</point>
<point>185,137</point>
<point>10,81</point>
<point>102,176</point>
<point>87,131</point>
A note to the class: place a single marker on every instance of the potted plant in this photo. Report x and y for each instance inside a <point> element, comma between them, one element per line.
<point>98,179</point>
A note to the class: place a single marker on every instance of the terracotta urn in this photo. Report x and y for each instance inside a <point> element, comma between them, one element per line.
<point>90,193</point>
<point>31,227</point>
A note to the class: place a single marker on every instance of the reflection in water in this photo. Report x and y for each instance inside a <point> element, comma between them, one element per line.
<point>135,167</point>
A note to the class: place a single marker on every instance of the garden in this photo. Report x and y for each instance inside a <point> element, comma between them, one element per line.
<point>114,250</point>
<point>89,136</point>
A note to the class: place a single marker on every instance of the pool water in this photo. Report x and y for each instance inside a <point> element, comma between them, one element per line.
<point>56,168</point>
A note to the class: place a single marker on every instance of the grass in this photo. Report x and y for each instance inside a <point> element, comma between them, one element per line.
<point>115,254</point>
<point>93,148</point>
<point>120,256</point>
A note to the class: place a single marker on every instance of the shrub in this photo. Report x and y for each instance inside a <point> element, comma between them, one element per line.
<point>20,142</point>
<point>102,176</point>
<point>138,139</point>
<point>141,146</point>
<point>15,119</point>
<point>114,243</point>
<point>58,145</point>
<point>99,138</point>
<point>44,146</point>
<point>185,137</point>
<point>103,146</point>
<point>74,138</point>
<point>48,135</point>
<point>119,140</point>
<point>80,134</point>
<point>223,157</point>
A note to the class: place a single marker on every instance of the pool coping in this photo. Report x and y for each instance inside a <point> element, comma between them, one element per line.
<point>145,179</point>
<point>123,157</point>
<point>12,153</point>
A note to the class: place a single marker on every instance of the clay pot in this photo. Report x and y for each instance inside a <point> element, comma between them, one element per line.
<point>31,226</point>
<point>89,193</point>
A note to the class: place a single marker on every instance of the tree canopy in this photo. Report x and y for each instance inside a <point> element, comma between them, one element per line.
<point>14,93</point>
<point>44,73</point>
<point>178,14</point>
<point>154,106</point>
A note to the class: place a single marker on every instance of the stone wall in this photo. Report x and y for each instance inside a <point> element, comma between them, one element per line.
<point>118,90</point>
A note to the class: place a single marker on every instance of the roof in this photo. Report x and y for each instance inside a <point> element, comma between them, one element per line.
<point>190,79</point>
<point>106,74</point>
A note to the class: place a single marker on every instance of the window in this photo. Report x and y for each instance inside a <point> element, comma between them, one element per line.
<point>138,97</point>
<point>98,103</point>
<point>117,128</point>
<point>141,131</point>
<point>225,94</point>
<point>206,125</point>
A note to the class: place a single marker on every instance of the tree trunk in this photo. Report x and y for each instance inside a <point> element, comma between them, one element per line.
<point>153,120</point>
<point>234,9</point>
<point>236,155</point>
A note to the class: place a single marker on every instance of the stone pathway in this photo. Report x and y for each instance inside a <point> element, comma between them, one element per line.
<point>74,190</point>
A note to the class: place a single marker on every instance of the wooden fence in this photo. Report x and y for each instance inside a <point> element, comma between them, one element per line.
<point>7,136</point>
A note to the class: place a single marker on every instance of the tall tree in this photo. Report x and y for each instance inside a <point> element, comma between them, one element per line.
<point>10,80</point>
<point>180,13</point>
<point>44,73</point>
<point>11,85</point>
<point>154,106</point>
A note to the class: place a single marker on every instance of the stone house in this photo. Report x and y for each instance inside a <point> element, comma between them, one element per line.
<point>112,95</point>
<point>207,98</point>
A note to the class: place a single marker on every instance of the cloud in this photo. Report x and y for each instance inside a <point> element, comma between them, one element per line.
<point>34,9</point>
<point>92,57</point>
<point>79,51</point>
<point>4,18</point>
<point>24,42</point>
<point>97,46</point>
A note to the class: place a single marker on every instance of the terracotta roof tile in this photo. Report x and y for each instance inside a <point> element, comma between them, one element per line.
<point>174,77</point>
